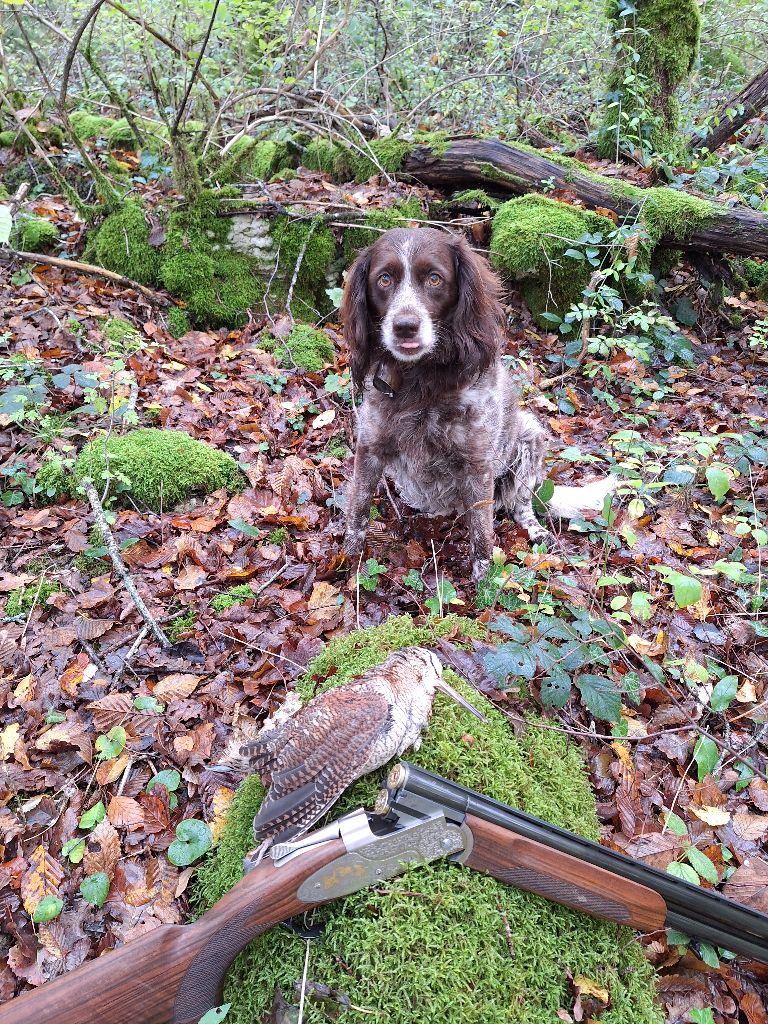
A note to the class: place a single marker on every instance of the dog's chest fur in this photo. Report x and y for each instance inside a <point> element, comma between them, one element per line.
<point>431,451</point>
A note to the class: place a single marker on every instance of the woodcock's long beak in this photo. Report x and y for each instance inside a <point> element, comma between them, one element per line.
<point>449,691</point>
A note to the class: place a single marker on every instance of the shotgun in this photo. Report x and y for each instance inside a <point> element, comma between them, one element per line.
<point>175,973</point>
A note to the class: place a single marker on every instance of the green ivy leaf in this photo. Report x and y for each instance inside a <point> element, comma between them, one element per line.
<point>193,839</point>
<point>684,871</point>
<point>723,693</point>
<point>111,745</point>
<point>718,481</point>
<point>215,1014</point>
<point>92,816</point>
<point>74,850</point>
<point>510,659</point>
<point>702,865</point>
<point>94,889</point>
<point>601,697</point>
<point>47,909</point>
<point>675,824</point>
<point>555,688</point>
<point>641,605</point>
<point>706,755</point>
<point>686,589</point>
<point>169,778</point>
<point>711,959</point>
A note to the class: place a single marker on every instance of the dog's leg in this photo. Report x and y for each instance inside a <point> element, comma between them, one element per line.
<point>523,477</point>
<point>478,501</point>
<point>365,477</point>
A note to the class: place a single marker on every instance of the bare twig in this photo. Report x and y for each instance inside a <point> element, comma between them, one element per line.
<point>119,564</point>
<point>84,268</point>
<point>195,70</point>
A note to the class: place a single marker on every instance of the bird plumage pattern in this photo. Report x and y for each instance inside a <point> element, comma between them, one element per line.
<point>338,736</point>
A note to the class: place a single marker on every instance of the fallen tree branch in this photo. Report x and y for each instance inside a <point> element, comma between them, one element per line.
<point>743,106</point>
<point>6,255</point>
<point>119,564</point>
<point>489,163</point>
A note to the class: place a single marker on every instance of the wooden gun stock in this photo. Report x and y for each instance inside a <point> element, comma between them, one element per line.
<point>529,865</point>
<point>175,973</point>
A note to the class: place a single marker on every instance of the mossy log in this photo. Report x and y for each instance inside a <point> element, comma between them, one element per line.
<point>733,113</point>
<point>489,163</point>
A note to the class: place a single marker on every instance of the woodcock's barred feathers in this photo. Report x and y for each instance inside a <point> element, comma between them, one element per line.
<point>340,735</point>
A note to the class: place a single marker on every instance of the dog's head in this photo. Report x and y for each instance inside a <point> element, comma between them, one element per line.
<point>421,295</point>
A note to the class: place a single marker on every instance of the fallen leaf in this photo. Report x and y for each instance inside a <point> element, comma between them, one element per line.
<point>102,850</point>
<point>176,686</point>
<point>42,878</point>
<point>125,812</point>
<point>750,826</point>
<point>711,815</point>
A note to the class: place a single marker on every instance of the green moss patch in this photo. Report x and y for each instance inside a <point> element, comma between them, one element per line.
<point>33,595</point>
<point>34,234</point>
<point>231,597</point>
<point>668,213</point>
<point>89,126</point>
<point>430,946</point>
<point>389,153</point>
<point>122,244</point>
<point>756,276</point>
<point>122,336</point>
<point>304,349</point>
<point>155,468</point>
<point>401,215</point>
<point>178,322</point>
<point>252,159</point>
<point>529,239</point>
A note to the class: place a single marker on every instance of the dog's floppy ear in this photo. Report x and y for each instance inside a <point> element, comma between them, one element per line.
<point>357,322</point>
<point>479,315</point>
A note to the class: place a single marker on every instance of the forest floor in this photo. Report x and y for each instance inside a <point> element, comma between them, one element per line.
<point>677,574</point>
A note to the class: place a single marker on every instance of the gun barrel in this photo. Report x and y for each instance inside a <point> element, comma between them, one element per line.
<point>700,913</point>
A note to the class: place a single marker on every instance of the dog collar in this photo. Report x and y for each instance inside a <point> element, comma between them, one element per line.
<point>386,387</point>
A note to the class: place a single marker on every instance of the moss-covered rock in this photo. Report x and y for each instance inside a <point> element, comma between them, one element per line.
<point>119,134</point>
<point>33,595</point>
<point>33,234</point>
<point>529,239</point>
<point>314,244</point>
<point>304,349</point>
<point>401,215</point>
<point>431,946</point>
<point>122,244</point>
<point>86,125</point>
<point>656,44</point>
<point>156,468</point>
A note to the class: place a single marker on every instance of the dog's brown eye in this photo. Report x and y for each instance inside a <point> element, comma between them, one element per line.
<point>434,280</point>
<point>385,280</point>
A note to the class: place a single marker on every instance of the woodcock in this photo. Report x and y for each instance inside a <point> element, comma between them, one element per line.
<point>310,759</point>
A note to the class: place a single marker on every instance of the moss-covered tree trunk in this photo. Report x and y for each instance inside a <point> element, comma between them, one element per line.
<point>655,47</point>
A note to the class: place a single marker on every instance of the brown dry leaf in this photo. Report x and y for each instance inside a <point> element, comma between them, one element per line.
<point>125,812</point>
<point>102,851</point>
<point>157,814</point>
<point>588,987</point>
<point>191,577</point>
<point>176,686</point>
<point>753,1008</point>
<point>8,738</point>
<point>66,734</point>
<point>222,799</point>
<point>110,710</point>
<point>749,884</point>
<point>23,693</point>
<point>323,602</point>
<point>42,878</point>
<point>92,629</point>
<point>110,771</point>
<point>711,815</point>
<point>750,826</point>
<point>758,793</point>
<point>75,673</point>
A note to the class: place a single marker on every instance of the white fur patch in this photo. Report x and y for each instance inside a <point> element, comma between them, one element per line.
<point>406,301</point>
<point>568,502</point>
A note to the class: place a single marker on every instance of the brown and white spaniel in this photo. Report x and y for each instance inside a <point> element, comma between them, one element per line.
<point>439,417</point>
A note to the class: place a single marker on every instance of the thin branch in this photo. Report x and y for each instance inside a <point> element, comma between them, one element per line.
<point>119,564</point>
<point>195,69</point>
<point>83,268</point>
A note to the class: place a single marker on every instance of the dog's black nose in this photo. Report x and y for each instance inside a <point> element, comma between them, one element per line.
<point>405,326</point>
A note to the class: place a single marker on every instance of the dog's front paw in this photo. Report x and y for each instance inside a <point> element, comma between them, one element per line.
<point>354,543</point>
<point>539,534</point>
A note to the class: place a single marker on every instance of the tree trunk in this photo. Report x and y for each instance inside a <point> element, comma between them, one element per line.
<point>489,163</point>
<point>750,101</point>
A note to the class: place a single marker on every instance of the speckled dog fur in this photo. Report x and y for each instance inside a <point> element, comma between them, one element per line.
<point>421,311</point>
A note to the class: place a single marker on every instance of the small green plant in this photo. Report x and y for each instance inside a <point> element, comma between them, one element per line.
<point>33,595</point>
<point>413,580</point>
<point>758,335</point>
<point>274,381</point>
<point>369,577</point>
<point>233,596</point>
<point>278,536</point>
<point>180,625</point>
<point>445,596</point>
